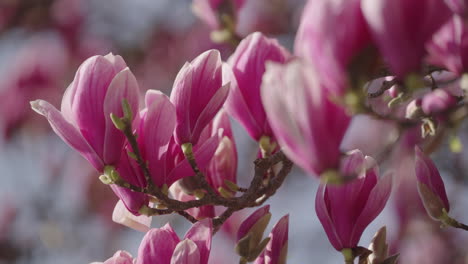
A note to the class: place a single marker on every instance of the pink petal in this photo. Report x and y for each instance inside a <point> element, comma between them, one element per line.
<point>117,62</point>
<point>158,127</point>
<point>67,132</point>
<point>186,252</point>
<point>308,126</point>
<point>157,246</point>
<point>248,65</point>
<point>181,96</point>
<point>123,86</point>
<point>236,105</point>
<point>194,90</point>
<point>324,217</point>
<point>401,29</point>
<point>210,111</point>
<point>374,206</point>
<point>319,43</point>
<point>91,83</point>
<point>122,216</point>
<point>279,239</point>
<point>201,233</point>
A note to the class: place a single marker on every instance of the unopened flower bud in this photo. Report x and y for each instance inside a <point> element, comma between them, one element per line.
<point>430,186</point>
<point>250,233</point>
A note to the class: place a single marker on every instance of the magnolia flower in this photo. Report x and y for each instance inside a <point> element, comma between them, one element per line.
<point>99,87</point>
<point>307,124</point>
<point>248,66</point>
<point>431,188</point>
<point>163,246</point>
<point>346,210</point>
<point>197,95</point>
<point>330,34</point>
<point>401,29</point>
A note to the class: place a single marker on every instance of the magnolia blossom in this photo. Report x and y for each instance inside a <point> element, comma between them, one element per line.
<point>248,66</point>
<point>401,29</point>
<point>431,187</point>
<point>163,246</point>
<point>99,87</point>
<point>330,34</point>
<point>346,210</point>
<point>197,95</point>
<point>307,124</point>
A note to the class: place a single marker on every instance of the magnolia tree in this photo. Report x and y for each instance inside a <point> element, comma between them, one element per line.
<point>400,63</point>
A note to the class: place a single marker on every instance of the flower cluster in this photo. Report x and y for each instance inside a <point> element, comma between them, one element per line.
<point>399,62</point>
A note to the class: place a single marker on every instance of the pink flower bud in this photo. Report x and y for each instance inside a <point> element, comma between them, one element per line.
<point>346,210</point>
<point>431,187</point>
<point>437,101</point>
<point>248,66</point>
<point>197,95</point>
<point>308,126</point>
<point>120,257</point>
<point>276,250</point>
<point>163,246</point>
<point>401,28</point>
<point>330,34</point>
<point>210,10</point>
<point>250,242</point>
<point>449,46</point>
<point>223,166</point>
<point>250,221</point>
<point>84,123</point>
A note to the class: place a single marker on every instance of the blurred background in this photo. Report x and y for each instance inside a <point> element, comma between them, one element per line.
<point>53,207</point>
